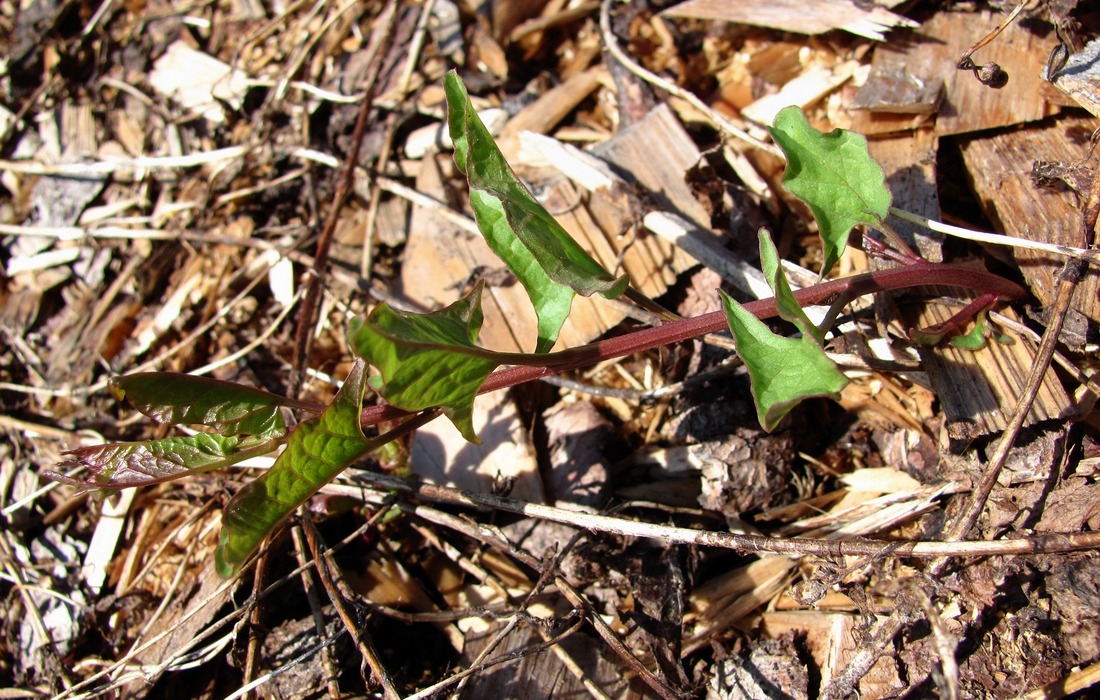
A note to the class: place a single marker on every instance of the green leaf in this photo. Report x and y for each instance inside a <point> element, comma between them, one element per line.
<point>119,465</point>
<point>549,264</point>
<point>317,450</point>
<point>174,398</point>
<point>835,175</point>
<point>783,371</point>
<point>785,303</point>
<point>980,334</point>
<point>429,360</point>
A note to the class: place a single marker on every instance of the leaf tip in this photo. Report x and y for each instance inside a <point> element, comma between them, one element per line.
<point>225,567</point>
<point>114,385</point>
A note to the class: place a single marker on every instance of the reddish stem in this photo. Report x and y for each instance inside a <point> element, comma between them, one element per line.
<point>916,275</point>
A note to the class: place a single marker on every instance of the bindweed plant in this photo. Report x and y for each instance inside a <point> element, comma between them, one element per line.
<point>431,363</point>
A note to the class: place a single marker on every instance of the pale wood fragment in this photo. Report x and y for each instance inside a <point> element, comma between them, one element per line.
<point>197,81</point>
<point>801,16</point>
<point>809,87</point>
<point>442,456</point>
<point>544,113</point>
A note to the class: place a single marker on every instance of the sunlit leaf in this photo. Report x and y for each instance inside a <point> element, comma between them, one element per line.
<point>783,371</point>
<point>428,360</point>
<point>174,398</point>
<point>317,450</point>
<point>119,465</point>
<point>835,175</point>
<point>546,260</point>
<point>785,303</point>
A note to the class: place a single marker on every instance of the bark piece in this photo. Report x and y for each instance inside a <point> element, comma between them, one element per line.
<point>770,667</point>
<point>967,105</point>
<point>1001,167</point>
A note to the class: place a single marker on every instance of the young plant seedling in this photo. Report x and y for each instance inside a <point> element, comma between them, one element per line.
<point>431,363</point>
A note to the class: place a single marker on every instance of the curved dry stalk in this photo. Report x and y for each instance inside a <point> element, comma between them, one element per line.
<point>332,674</point>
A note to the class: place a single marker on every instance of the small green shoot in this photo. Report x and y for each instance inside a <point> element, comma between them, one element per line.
<point>980,334</point>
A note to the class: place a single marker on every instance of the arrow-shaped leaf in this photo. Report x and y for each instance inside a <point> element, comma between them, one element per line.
<point>549,264</point>
<point>783,371</point>
<point>174,398</point>
<point>317,450</point>
<point>430,359</point>
<point>835,175</point>
<point>119,465</point>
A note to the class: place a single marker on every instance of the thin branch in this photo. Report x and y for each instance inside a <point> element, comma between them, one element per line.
<point>1038,544</point>
<point>307,318</point>
<point>359,634</point>
<point>1092,256</point>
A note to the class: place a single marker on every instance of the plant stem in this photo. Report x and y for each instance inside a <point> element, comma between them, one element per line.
<point>848,288</point>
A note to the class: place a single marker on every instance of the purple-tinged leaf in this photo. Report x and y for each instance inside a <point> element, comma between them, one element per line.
<point>175,398</point>
<point>118,465</point>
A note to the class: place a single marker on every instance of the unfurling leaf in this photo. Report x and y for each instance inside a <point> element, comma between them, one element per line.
<point>429,360</point>
<point>835,175</point>
<point>119,465</point>
<point>174,398</point>
<point>979,336</point>
<point>546,260</point>
<point>317,450</point>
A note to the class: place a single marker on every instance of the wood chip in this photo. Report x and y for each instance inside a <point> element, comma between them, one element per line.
<point>1080,77</point>
<point>1001,166</point>
<point>198,81</point>
<point>931,52</point>
<point>800,16</point>
<point>505,459</point>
